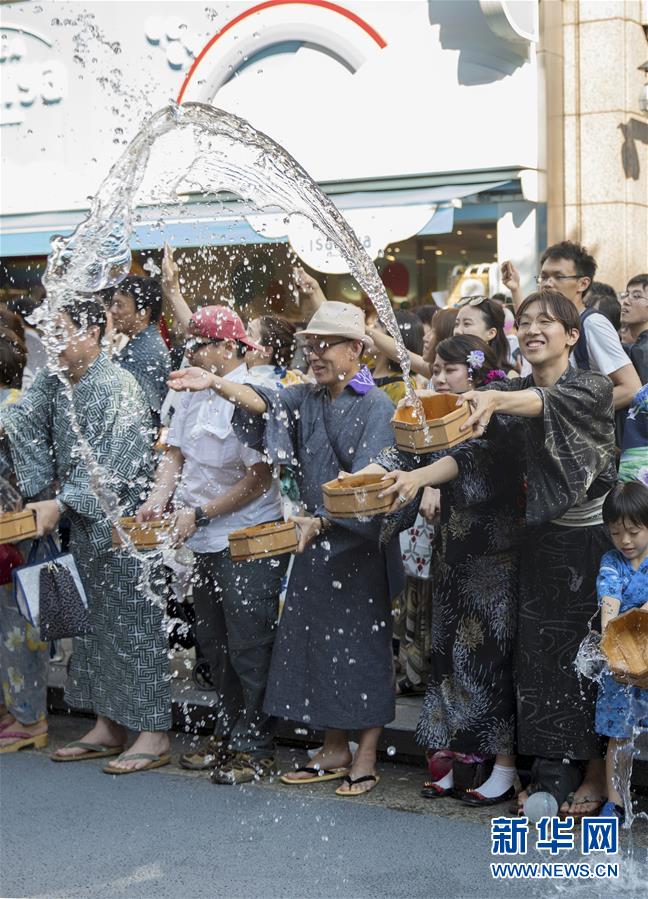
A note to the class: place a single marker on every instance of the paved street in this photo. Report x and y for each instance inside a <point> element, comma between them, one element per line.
<point>71,831</point>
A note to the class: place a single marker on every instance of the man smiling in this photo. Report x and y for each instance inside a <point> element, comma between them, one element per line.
<point>570,269</point>
<point>331,666</point>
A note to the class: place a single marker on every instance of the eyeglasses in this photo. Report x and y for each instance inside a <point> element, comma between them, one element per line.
<point>319,348</point>
<point>194,343</point>
<point>633,297</point>
<point>544,279</point>
<point>471,301</point>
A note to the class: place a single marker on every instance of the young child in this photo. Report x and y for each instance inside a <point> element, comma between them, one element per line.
<point>622,585</point>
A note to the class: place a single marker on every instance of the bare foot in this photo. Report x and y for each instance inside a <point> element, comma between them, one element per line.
<point>148,742</point>
<point>104,733</point>
<point>328,760</point>
<point>588,799</point>
<point>362,766</point>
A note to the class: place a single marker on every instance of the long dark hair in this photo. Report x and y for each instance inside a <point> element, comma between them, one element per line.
<point>443,322</point>
<point>278,334</point>
<point>457,349</point>
<point>494,317</point>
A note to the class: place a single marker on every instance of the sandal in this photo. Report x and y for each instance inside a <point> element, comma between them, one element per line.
<point>22,740</point>
<point>152,761</point>
<point>318,775</point>
<point>431,790</point>
<point>367,778</point>
<point>598,801</point>
<point>91,751</point>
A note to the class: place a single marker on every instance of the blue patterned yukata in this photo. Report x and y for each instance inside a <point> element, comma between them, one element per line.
<point>621,707</point>
<point>120,669</point>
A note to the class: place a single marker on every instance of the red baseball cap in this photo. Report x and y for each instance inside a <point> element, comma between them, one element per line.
<point>219,323</point>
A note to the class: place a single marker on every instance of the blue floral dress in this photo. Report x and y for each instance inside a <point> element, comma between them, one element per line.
<point>620,707</point>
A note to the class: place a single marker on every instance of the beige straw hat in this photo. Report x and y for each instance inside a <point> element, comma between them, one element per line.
<point>334,319</point>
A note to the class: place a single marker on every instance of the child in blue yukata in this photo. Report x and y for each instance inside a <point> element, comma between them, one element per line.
<point>622,585</point>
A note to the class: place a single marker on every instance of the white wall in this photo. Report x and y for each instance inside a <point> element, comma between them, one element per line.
<point>438,97</point>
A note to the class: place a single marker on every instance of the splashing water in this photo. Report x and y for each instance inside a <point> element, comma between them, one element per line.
<point>231,156</point>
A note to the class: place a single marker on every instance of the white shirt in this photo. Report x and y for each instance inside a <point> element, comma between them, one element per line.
<point>214,461</point>
<point>603,345</point>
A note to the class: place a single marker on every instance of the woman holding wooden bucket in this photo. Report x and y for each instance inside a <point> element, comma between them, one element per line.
<point>331,667</point>
<point>469,703</point>
<point>566,455</point>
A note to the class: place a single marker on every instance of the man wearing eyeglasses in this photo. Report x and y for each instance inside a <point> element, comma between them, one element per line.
<point>569,268</point>
<point>634,315</point>
<point>331,666</point>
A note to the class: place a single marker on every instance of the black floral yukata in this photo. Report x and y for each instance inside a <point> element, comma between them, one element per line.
<point>469,704</point>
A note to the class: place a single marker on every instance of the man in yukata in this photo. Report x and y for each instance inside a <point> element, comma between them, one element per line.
<point>331,665</point>
<point>119,669</point>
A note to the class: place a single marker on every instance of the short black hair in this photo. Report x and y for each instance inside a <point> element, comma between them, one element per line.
<point>425,313</point>
<point>24,305</point>
<point>627,502</point>
<point>552,303</point>
<point>603,297</point>
<point>411,329</point>
<point>146,294</point>
<point>638,281</point>
<point>86,313</point>
<point>584,263</point>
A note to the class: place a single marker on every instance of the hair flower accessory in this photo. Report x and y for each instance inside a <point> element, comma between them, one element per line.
<point>475,360</point>
<point>496,374</point>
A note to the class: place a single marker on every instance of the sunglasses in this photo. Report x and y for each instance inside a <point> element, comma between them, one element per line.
<point>476,300</point>
<point>195,343</point>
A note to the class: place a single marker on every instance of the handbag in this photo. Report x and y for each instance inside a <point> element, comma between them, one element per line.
<point>417,544</point>
<point>49,592</point>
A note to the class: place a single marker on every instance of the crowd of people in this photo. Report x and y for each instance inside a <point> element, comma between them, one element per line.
<point>496,559</point>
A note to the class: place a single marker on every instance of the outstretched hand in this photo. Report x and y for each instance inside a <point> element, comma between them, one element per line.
<point>483,404</point>
<point>308,529</point>
<point>192,378</point>
<point>403,490</point>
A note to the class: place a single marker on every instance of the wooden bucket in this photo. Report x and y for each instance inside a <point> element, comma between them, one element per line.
<point>273,538</point>
<point>144,535</point>
<point>357,496</point>
<point>625,646</point>
<point>17,526</point>
<point>443,420</point>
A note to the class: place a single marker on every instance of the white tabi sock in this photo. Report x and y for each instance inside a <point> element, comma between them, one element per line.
<point>446,782</point>
<point>498,783</point>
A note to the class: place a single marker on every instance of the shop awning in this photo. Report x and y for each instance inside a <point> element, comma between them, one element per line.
<point>219,224</point>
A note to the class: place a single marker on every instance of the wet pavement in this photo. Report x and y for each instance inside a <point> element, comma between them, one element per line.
<point>70,830</point>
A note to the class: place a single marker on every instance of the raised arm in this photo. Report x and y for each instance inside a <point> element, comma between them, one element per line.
<point>511,279</point>
<point>174,304</point>
<point>195,379</point>
<point>387,345</point>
